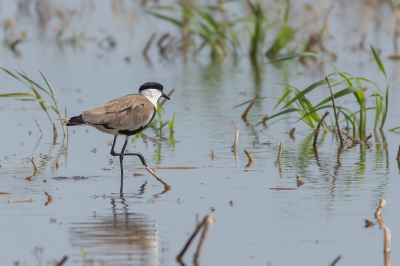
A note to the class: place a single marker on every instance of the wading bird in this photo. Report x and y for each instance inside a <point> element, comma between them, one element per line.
<point>127,115</point>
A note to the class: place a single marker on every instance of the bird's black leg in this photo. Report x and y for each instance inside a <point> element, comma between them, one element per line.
<point>135,154</point>
<point>121,154</point>
<point>113,153</point>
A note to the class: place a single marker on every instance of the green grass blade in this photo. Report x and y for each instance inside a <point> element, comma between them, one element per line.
<point>305,91</point>
<point>378,61</point>
<point>17,94</point>
<point>337,95</point>
<point>13,75</point>
<point>54,97</point>
<point>282,99</point>
<point>166,18</point>
<point>23,75</point>
<point>287,111</point>
<point>249,101</point>
<point>304,54</point>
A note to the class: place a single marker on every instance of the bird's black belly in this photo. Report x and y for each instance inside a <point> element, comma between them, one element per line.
<point>130,133</point>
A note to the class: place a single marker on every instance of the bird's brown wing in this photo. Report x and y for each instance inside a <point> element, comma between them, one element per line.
<point>125,113</point>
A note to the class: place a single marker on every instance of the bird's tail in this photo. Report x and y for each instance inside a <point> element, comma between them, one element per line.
<point>75,121</point>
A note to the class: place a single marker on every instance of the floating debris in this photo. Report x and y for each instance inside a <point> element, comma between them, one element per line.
<point>368,223</point>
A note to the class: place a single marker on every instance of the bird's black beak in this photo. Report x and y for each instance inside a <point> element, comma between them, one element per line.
<point>165,96</point>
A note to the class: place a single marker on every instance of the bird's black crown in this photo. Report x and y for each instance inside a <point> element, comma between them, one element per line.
<point>151,85</point>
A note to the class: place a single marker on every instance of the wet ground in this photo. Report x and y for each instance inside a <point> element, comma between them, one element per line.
<point>263,215</point>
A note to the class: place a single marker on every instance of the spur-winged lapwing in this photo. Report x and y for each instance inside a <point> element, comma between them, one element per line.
<point>126,116</point>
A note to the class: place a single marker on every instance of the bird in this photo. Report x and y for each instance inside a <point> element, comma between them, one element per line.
<point>127,116</point>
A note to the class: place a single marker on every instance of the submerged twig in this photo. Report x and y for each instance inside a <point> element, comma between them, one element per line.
<point>49,198</point>
<point>318,127</point>
<point>291,133</point>
<point>62,261</point>
<point>206,223</point>
<point>355,141</point>
<point>244,115</point>
<point>336,260</point>
<point>264,121</point>
<point>398,157</point>
<point>369,136</point>
<point>35,169</point>
<point>251,159</point>
<point>168,187</point>
<point>334,110</point>
<point>299,183</point>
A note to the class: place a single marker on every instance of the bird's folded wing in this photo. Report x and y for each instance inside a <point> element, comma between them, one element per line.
<point>126,113</point>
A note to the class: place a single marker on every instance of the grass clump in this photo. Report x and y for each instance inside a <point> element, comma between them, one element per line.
<point>36,96</point>
<point>221,31</point>
<point>349,84</point>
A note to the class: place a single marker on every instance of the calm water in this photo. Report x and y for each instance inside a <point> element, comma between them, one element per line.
<point>97,219</point>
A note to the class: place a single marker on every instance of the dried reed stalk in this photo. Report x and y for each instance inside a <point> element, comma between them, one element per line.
<point>167,187</point>
<point>318,127</point>
<point>334,110</point>
<point>280,151</point>
<point>35,169</point>
<point>382,205</point>
<point>206,223</point>
<point>351,138</point>
<point>235,142</point>
<point>244,115</point>
<point>251,159</point>
<point>387,233</point>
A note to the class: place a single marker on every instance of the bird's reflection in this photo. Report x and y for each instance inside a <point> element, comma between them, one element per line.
<point>122,236</point>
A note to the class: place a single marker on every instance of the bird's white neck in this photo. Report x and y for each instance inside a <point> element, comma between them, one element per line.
<point>152,94</point>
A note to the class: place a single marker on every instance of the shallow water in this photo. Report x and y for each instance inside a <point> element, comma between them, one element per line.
<point>262,215</point>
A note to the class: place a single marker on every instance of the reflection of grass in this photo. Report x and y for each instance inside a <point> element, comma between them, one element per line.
<point>352,85</point>
<point>35,95</point>
<point>284,37</point>
<point>260,26</point>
